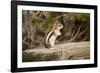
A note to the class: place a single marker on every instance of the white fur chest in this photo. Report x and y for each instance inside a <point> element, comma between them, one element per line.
<point>57,32</point>
<point>52,40</point>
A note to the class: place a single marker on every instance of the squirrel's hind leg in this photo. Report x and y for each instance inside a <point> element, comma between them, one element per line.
<point>48,46</point>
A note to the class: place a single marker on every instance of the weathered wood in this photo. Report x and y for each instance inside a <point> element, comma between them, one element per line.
<point>67,51</point>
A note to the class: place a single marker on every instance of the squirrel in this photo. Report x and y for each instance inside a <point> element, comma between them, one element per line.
<point>53,34</point>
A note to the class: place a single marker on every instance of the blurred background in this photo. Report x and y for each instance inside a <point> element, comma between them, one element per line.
<point>37,24</point>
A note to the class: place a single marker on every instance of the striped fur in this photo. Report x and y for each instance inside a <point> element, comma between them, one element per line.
<point>52,35</point>
<point>47,44</point>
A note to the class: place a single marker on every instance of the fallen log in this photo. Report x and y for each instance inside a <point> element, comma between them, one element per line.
<point>67,51</point>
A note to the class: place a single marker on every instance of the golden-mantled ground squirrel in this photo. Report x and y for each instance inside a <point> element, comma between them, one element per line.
<point>53,34</point>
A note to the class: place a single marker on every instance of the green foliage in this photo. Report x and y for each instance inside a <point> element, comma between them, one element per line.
<point>48,22</point>
<point>82,17</point>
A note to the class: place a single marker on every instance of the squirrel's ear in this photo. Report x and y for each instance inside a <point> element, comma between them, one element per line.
<point>54,27</point>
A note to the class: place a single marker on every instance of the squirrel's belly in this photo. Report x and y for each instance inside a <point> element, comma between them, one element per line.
<point>52,40</point>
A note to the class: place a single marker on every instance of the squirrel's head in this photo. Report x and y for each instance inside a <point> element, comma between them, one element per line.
<point>57,26</point>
